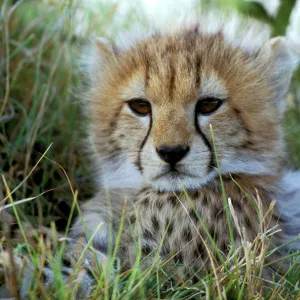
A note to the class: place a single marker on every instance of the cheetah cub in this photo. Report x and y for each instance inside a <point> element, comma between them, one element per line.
<point>169,113</point>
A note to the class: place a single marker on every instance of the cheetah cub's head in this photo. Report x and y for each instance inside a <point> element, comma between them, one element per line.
<point>151,106</point>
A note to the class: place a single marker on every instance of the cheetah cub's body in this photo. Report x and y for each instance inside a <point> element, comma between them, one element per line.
<point>152,106</point>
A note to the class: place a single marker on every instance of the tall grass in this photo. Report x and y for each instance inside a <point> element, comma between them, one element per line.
<point>39,106</point>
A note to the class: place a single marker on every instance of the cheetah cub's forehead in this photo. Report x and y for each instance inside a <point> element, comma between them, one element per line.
<point>152,106</point>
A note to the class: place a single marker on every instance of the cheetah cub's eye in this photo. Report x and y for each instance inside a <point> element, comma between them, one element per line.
<point>208,105</point>
<point>140,107</point>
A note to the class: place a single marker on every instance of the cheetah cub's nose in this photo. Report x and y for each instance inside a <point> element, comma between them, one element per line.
<point>172,155</point>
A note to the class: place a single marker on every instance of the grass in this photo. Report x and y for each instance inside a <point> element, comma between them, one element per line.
<point>42,154</point>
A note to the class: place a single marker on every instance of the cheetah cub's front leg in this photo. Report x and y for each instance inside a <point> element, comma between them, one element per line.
<point>96,230</point>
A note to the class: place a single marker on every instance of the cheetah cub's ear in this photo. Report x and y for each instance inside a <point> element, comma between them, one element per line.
<point>101,54</point>
<point>281,63</point>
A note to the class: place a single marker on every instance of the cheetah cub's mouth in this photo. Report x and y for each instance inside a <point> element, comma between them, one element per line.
<point>173,173</point>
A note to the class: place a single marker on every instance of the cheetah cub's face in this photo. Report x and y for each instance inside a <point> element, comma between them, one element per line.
<point>151,106</point>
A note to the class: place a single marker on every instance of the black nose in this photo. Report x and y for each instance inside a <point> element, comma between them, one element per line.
<point>172,155</point>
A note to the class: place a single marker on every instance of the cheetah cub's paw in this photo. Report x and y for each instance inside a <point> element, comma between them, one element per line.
<point>79,274</point>
<point>11,272</point>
